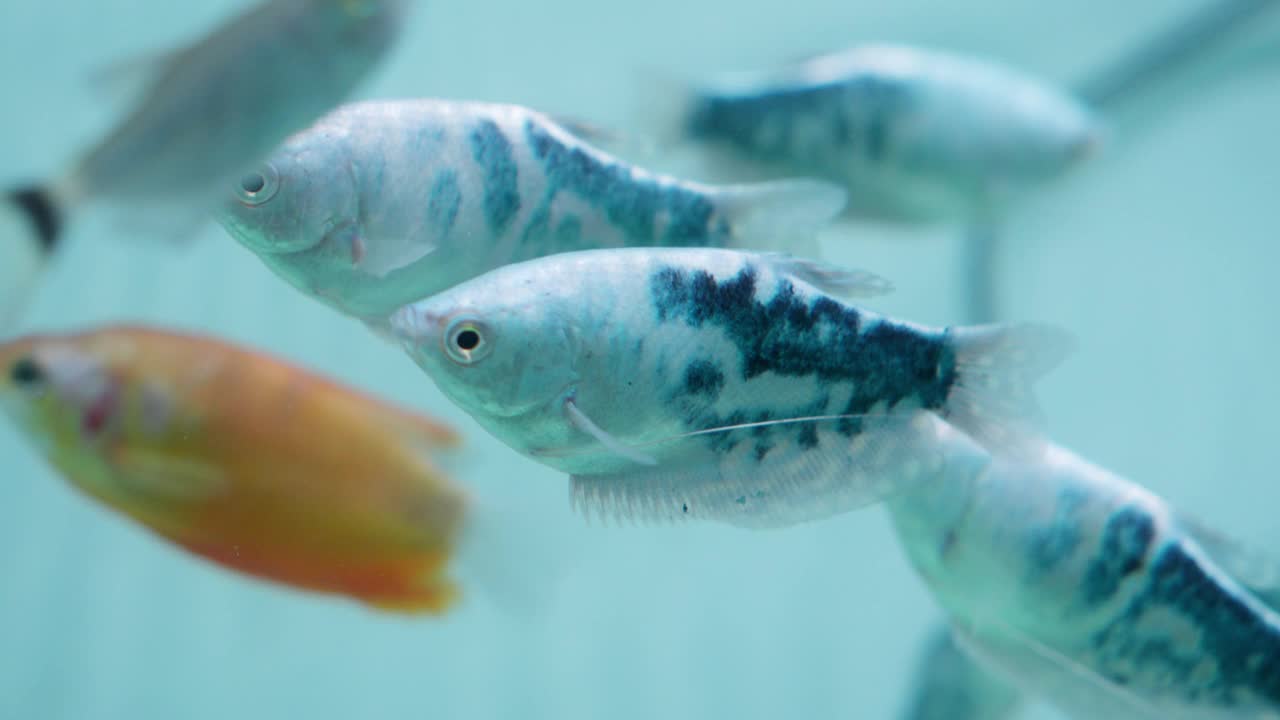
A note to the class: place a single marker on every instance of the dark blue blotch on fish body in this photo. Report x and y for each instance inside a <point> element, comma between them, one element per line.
<point>741,121</point>
<point>807,122</point>
<point>1236,634</point>
<point>444,201</point>
<point>1054,544</point>
<point>1126,541</point>
<point>703,377</point>
<point>631,204</point>
<point>492,152</point>
<point>793,336</point>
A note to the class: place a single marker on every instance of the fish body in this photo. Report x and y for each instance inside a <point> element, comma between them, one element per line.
<point>380,204</point>
<point>914,135</point>
<point>711,383</point>
<point>213,109</point>
<point>245,460</point>
<point>1082,588</point>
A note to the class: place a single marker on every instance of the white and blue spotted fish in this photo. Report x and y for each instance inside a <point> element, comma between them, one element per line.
<point>1089,592</point>
<point>384,203</point>
<point>951,685</point>
<point>716,384</point>
<point>914,135</point>
<point>207,113</point>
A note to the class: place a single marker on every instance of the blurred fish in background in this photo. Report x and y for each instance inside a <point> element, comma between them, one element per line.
<point>918,136</point>
<point>207,112</point>
<point>921,136</point>
<point>263,467</point>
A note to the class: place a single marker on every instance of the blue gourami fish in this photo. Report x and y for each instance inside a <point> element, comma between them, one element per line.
<point>212,110</point>
<point>951,685</point>
<point>915,135</point>
<point>717,384</point>
<point>380,204</point>
<point>1088,591</point>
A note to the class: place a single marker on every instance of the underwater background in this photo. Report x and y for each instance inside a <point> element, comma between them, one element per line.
<point>1161,256</point>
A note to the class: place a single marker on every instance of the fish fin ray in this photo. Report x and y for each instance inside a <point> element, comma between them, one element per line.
<point>784,214</point>
<point>830,278</point>
<point>993,398</point>
<point>803,478</point>
<point>605,138</point>
<point>584,423</point>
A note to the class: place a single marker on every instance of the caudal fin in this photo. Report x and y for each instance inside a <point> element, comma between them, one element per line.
<point>993,397</point>
<point>30,226</point>
<point>781,215</point>
<point>511,556</point>
<point>42,216</point>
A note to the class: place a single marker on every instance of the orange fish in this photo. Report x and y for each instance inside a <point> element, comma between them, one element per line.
<point>248,461</point>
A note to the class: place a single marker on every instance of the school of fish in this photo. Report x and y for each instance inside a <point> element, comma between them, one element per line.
<point>677,348</point>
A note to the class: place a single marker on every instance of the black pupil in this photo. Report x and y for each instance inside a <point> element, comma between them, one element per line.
<point>253,184</point>
<point>468,339</point>
<point>26,372</point>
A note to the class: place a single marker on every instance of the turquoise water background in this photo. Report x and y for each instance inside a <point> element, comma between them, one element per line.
<point>1161,257</point>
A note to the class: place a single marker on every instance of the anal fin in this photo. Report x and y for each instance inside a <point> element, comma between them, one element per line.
<point>803,471</point>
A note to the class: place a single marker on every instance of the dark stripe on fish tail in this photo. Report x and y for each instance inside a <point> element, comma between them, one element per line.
<point>38,206</point>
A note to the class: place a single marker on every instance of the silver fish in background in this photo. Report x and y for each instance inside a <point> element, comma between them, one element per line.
<point>950,685</point>
<point>1085,590</point>
<point>915,135</point>
<point>718,384</point>
<point>380,204</point>
<point>213,110</point>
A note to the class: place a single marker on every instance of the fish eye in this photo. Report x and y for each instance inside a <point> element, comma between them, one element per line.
<point>466,341</point>
<point>259,186</point>
<point>26,373</point>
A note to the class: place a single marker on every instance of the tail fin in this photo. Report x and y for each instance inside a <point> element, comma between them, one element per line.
<point>29,232</point>
<point>997,366</point>
<point>511,556</point>
<point>781,215</point>
<point>42,215</point>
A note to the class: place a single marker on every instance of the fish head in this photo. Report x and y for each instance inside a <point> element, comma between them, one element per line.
<point>498,352</point>
<point>60,391</point>
<point>85,402</point>
<point>1051,133</point>
<point>292,202</point>
<point>65,396</point>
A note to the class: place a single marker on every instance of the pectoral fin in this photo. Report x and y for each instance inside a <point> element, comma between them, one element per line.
<point>168,476</point>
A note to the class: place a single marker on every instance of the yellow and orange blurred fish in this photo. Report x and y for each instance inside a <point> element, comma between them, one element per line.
<point>250,462</point>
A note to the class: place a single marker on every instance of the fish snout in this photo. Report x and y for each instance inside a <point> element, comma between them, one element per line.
<point>415,326</point>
